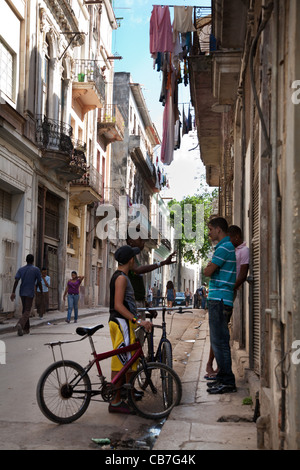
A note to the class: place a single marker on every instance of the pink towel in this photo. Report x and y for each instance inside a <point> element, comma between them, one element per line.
<point>161,35</point>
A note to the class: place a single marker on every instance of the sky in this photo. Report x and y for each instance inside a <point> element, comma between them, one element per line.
<point>131,41</point>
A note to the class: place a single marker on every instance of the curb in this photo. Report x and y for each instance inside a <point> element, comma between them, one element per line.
<point>54,317</point>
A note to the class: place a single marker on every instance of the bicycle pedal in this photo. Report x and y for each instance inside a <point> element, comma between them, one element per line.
<point>127,386</point>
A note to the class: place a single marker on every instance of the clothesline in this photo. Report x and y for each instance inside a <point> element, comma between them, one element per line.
<point>170,44</point>
<point>194,6</point>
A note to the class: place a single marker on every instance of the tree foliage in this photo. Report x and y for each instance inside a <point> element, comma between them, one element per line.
<point>189,246</point>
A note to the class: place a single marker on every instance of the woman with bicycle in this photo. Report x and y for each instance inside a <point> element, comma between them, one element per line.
<point>123,318</point>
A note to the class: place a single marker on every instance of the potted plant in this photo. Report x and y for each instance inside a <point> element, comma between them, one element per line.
<point>81,77</point>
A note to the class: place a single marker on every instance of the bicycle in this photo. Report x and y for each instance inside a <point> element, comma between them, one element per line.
<point>64,390</point>
<point>163,352</point>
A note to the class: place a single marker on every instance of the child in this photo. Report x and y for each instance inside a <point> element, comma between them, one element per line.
<point>123,317</point>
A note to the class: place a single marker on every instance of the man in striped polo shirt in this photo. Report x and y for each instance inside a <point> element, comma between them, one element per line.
<point>222,273</point>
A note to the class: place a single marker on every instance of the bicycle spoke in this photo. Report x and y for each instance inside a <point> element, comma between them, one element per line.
<point>58,399</point>
<point>161,391</point>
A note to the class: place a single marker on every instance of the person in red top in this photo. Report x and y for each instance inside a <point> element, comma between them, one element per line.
<point>72,289</point>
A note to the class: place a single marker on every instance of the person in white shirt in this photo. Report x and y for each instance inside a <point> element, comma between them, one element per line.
<point>241,253</point>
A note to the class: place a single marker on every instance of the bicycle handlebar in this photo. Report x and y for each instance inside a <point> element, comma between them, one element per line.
<point>179,309</point>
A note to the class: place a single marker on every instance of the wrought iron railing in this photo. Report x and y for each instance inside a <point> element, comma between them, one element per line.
<point>92,178</point>
<point>88,70</point>
<point>110,113</point>
<point>52,134</point>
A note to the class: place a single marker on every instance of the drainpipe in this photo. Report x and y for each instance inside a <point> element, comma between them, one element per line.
<point>274,297</point>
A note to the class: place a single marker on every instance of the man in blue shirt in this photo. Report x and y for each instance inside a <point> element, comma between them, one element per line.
<point>222,273</point>
<point>29,275</point>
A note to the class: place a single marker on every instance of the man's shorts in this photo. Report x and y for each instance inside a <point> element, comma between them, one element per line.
<point>122,334</point>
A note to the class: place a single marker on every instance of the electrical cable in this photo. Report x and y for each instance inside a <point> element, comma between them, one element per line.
<point>268,11</point>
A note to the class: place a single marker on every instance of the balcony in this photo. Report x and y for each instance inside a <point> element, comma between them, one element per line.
<point>141,158</point>
<point>209,122</point>
<point>111,123</point>
<point>88,88</point>
<point>225,76</point>
<point>88,188</point>
<point>59,152</point>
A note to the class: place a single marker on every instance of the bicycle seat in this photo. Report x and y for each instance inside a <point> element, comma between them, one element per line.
<point>82,331</point>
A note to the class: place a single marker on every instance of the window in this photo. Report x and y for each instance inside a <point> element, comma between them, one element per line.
<point>5,205</point>
<point>7,60</point>
<point>46,79</point>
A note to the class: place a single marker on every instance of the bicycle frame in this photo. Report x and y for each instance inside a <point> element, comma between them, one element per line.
<point>98,357</point>
<point>114,352</point>
<point>156,357</point>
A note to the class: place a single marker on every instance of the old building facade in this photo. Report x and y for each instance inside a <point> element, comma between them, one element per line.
<point>74,137</point>
<point>245,95</point>
<point>135,176</point>
<point>57,125</point>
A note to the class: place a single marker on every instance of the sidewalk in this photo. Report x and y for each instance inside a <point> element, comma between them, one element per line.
<point>203,421</point>
<point>52,317</point>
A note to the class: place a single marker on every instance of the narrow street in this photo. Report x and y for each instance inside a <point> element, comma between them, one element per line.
<point>23,426</point>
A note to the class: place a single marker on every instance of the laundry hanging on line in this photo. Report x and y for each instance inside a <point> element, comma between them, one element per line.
<point>170,45</point>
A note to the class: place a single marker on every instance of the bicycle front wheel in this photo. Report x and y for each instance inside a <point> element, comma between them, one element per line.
<point>166,354</point>
<point>161,388</point>
<point>63,392</point>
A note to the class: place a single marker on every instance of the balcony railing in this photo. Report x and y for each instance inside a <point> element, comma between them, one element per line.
<point>92,179</point>
<point>52,134</point>
<point>87,70</point>
<point>111,114</point>
<point>59,151</point>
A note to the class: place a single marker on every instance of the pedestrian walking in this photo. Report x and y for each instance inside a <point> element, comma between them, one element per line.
<point>42,297</point>
<point>150,297</point>
<point>72,289</point>
<point>29,276</point>
<point>204,296</point>
<point>170,294</point>
<point>154,292</point>
<point>187,297</point>
<point>222,273</point>
<point>158,296</point>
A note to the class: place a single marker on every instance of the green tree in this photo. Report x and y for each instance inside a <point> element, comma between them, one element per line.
<point>193,207</point>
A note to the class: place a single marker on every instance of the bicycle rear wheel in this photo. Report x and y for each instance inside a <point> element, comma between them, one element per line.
<point>161,387</point>
<point>63,392</point>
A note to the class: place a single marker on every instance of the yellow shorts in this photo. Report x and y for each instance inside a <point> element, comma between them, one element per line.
<point>122,334</point>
